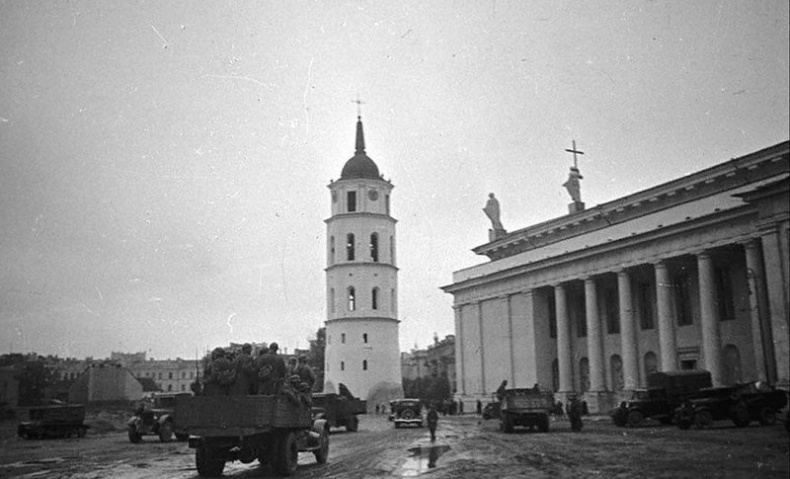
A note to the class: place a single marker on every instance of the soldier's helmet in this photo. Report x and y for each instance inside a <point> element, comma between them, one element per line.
<point>246,348</point>
<point>274,346</point>
<point>303,358</point>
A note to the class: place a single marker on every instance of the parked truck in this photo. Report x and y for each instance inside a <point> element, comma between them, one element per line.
<point>525,407</point>
<point>155,417</point>
<point>665,392</point>
<point>742,404</point>
<point>338,410</point>
<point>271,429</point>
<point>64,420</point>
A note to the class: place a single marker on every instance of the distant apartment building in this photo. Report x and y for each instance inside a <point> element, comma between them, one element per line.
<point>414,364</point>
<point>440,359</point>
<point>171,375</point>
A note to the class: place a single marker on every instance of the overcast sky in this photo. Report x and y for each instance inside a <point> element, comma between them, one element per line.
<point>164,164</point>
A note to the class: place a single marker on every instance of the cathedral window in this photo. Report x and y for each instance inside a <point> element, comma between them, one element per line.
<point>387,202</point>
<point>342,365</point>
<point>342,338</point>
<point>332,250</point>
<point>374,247</point>
<point>364,364</point>
<point>392,250</point>
<point>350,247</point>
<point>352,299</point>
<point>392,300</point>
<point>374,298</point>
<point>365,338</point>
<point>683,299</point>
<point>351,201</point>
<point>724,293</point>
<point>332,300</point>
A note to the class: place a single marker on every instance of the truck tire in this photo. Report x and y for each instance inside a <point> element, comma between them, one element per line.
<point>635,418</point>
<point>322,453</point>
<point>740,414</point>
<point>543,424</point>
<point>507,423</point>
<point>767,416</point>
<point>209,461</point>
<point>287,455</point>
<point>166,431</point>
<point>134,436</point>
<point>353,424</point>
<point>703,419</point>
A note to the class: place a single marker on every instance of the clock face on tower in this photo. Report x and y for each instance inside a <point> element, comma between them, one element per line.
<point>373,195</point>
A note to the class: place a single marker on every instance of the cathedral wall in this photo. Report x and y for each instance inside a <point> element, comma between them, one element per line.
<point>496,343</point>
<point>470,320</point>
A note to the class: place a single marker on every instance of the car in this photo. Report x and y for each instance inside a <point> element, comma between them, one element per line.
<point>741,403</point>
<point>665,392</point>
<point>406,412</point>
<point>155,417</point>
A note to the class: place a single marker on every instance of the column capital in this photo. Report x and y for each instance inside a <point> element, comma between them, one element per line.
<point>558,286</point>
<point>703,255</point>
<point>750,243</point>
<point>660,264</point>
<point>623,272</point>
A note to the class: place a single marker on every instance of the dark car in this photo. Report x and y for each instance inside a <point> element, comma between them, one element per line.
<point>742,404</point>
<point>155,417</point>
<point>665,392</point>
<point>406,411</point>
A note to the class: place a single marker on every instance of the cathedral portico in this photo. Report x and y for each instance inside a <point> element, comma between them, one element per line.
<point>688,275</point>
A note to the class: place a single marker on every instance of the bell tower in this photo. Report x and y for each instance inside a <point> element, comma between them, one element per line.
<point>362,348</point>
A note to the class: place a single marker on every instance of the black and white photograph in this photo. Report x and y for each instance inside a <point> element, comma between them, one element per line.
<point>362,239</point>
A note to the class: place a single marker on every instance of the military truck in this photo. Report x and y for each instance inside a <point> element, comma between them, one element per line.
<point>527,407</point>
<point>338,410</point>
<point>156,418</point>
<point>63,420</point>
<point>271,429</point>
<point>741,404</point>
<point>406,412</point>
<point>665,392</point>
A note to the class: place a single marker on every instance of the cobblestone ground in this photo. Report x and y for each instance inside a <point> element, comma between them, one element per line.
<point>466,447</point>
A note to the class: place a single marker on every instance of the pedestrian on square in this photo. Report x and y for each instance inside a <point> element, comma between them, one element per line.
<point>433,421</point>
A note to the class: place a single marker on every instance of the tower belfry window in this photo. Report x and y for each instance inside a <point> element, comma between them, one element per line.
<point>350,247</point>
<point>351,201</point>
<point>352,299</point>
<point>374,298</point>
<point>374,247</point>
<point>332,250</point>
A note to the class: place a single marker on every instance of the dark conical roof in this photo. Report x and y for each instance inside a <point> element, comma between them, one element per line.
<point>360,165</point>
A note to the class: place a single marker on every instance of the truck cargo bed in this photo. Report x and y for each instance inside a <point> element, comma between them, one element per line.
<point>238,415</point>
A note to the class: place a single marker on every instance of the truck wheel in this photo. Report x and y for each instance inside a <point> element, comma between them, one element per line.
<point>703,419</point>
<point>740,414</point>
<point>543,425</point>
<point>287,455</point>
<point>166,431</point>
<point>322,453</point>
<point>507,423</point>
<point>209,462</point>
<point>134,436</point>
<point>767,416</point>
<point>353,424</point>
<point>635,418</point>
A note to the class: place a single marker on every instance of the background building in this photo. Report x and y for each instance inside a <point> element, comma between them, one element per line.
<point>362,348</point>
<point>690,274</point>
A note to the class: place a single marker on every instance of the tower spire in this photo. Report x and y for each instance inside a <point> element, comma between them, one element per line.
<point>360,135</point>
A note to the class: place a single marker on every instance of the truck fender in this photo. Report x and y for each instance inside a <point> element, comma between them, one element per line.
<point>164,418</point>
<point>133,422</point>
<point>320,425</point>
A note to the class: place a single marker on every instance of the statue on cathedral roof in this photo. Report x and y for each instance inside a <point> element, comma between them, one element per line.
<point>492,211</point>
<point>573,186</point>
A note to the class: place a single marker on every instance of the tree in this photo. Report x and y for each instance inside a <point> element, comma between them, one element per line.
<point>317,350</point>
<point>34,378</point>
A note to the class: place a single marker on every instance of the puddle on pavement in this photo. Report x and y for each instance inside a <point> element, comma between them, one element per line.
<point>423,459</point>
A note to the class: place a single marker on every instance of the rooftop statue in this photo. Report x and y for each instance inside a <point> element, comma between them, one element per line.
<point>492,211</point>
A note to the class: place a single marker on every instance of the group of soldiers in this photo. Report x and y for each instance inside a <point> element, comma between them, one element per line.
<point>239,374</point>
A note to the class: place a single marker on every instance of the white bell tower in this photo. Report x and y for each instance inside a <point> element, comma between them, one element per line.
<point>362,348</point>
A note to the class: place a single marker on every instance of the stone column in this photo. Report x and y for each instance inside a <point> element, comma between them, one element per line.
<point>709,316</point>
<point>666,320</point>
<point>482,349</point>
<point>594,340</point>
<point>564,353</point>
<point>459,351</point>
<point>628,344</point>
<point>776,286</point>
<point>758,308</point>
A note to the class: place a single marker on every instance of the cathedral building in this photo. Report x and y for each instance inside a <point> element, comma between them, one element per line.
<point>362,347</point>
<point>690,274</point>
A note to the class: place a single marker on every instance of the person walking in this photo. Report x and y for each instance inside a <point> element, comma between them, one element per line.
<point>433,421</point>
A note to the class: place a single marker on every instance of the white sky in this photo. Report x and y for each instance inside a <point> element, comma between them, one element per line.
<point>163,165</point>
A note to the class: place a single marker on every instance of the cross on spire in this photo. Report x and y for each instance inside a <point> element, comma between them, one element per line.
<point>575,152</point>
<point>359,106</point>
